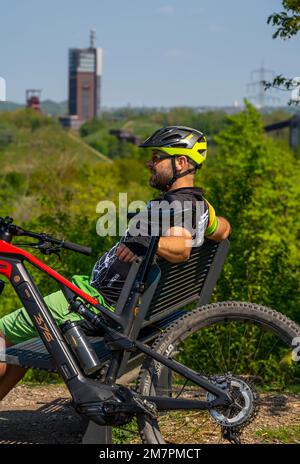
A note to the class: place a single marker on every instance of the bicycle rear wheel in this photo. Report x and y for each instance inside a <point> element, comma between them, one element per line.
<point>246,347</point>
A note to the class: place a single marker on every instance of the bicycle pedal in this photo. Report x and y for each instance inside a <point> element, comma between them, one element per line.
<point>137,403</point>
<point>147,407</point>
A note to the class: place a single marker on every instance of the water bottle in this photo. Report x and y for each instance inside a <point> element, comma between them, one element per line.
<point>81,347</point>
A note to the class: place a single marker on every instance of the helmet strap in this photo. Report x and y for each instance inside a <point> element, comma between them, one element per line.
<point>177,175</point>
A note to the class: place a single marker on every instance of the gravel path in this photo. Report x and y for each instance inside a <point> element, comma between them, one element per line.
<point>39,414</point>
<point>43,414</point>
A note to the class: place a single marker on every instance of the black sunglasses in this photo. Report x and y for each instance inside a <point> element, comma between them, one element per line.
<point>159,156</point>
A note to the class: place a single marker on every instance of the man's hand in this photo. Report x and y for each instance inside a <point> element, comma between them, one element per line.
<point>174,247</point>
<point>124,254</point>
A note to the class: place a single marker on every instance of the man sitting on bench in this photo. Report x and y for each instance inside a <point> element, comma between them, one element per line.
<point>176,154</point>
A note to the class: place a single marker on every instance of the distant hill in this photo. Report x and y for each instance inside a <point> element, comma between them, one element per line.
<point>49,107</point>
<point>53,108</point>
<point>10,106</point>
<point>32,141</point>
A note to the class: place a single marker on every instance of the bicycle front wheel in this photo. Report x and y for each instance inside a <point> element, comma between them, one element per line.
<point>244,347</point>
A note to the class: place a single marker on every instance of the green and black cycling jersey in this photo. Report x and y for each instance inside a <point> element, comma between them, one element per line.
<point>189,210</point>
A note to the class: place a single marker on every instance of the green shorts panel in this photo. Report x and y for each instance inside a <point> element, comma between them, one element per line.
<point>18,327</point>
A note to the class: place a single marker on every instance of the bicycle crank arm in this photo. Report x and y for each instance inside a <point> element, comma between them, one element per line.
<point>118,409</point>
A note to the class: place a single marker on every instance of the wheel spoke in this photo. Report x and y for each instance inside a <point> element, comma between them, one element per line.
<point>241,351</point>
<point>238,356</point>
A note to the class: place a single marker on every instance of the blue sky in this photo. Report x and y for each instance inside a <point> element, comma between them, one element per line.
<point>156,53</point>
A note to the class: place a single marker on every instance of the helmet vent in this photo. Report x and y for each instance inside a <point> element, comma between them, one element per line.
<point>171,138</point>
<point>179,145</point>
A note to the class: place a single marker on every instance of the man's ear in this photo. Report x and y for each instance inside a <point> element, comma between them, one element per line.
<point>181,163</point>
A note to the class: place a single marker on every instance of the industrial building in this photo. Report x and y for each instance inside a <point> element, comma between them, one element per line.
<point>85,71</point>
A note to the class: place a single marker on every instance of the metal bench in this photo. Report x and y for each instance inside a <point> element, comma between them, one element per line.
<point>170,288</point>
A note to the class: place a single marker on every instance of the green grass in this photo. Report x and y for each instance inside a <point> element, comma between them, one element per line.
<point>125,434</point>
<point>140,127</point>
<point>49,145</point>
<point>34,377</point>
<point>289,434</point>
<point>293,388</point>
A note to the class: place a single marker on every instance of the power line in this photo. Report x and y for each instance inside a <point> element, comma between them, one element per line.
<point>256,89</point>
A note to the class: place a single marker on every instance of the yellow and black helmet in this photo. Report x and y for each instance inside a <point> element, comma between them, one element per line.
<point>175,141</point>
<point>178,141</point>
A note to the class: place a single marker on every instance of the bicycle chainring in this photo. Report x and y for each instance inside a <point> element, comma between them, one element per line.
<point>241,412</point>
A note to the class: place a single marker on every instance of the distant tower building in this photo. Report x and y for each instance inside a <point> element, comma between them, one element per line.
<point>85,70</point>
<point>33,99</point>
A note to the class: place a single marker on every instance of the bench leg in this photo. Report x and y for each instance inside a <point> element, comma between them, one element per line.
<point>97,434</point>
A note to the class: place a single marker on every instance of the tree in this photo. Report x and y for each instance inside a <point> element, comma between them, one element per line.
<point>288,25</point>
<point>254,182</point>
<point>288,21</point>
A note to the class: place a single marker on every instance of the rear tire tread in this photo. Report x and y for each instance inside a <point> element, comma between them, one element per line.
<point>207,313</point>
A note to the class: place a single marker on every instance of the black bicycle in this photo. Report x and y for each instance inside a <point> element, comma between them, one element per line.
<point>217,372</point>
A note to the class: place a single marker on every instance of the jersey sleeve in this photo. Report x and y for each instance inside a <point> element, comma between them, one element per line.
<point>212,221</point>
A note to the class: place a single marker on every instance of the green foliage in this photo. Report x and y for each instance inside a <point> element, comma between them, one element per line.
<point>210,122</point>
<point>92,126</point>
<point>7,135</point>
<point>51,183</point>
<point>110,146</point>
<point>289,434</point>
<point>27,119</point>
<point>104,143</point>
<point>240,348</point>
<point>288,21</point>
<point>35,376</point>
<point>275,117</point>
<point>255,183</point>
<point>96,132</point>
<point>53,108</point>
<point>123,435</point>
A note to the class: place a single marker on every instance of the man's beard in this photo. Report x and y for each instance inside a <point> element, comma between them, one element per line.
<point>159,180</point>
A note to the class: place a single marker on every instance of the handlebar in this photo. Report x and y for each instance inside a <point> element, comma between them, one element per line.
<point>8,230</point>
<point>79,248</point>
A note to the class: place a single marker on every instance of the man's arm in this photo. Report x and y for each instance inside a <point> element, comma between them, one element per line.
<point>174,247</point>
<point>222,231</point>
<point>218,227</point>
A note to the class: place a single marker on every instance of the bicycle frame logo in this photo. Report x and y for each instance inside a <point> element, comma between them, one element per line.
<point>42,324</point>
<point>2,89</point>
